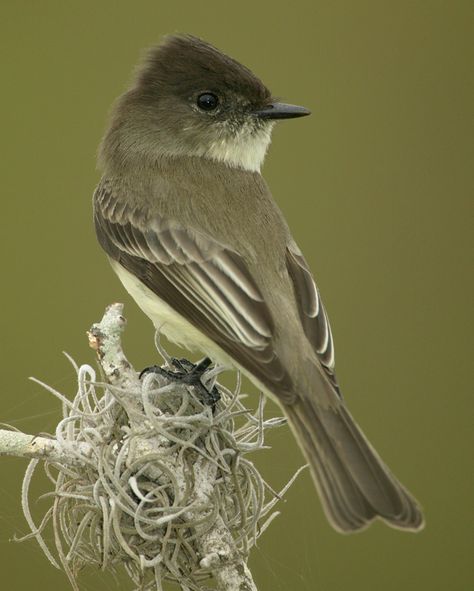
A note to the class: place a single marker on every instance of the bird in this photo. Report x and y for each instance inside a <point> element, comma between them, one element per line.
<point>190,227</point>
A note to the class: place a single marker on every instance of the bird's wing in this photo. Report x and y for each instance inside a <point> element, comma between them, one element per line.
<point>312,313</point>
<point>204,281</point>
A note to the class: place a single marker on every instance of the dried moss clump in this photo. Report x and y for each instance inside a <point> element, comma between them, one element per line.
<point>161,478</point>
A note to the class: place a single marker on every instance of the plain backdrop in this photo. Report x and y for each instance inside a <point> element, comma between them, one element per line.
<point>377,187</point>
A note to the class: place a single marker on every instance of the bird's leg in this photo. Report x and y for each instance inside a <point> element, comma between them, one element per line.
<point>190,374</point>
<point>184,365</point>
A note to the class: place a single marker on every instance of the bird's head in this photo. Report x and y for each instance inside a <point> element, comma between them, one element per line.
<point>190,99</point>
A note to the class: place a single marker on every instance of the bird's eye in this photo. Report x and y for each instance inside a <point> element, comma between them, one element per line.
<point>207,101</point>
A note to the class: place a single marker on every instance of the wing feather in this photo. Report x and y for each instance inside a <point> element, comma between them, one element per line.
<point>312,313</point>
<point>203,280</point>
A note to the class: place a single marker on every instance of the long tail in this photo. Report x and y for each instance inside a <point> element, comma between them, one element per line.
<point>354,484</point>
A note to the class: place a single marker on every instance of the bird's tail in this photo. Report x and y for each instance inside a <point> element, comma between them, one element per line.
<point>354,484</point>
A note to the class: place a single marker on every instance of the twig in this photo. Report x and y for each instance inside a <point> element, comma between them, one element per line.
<point>21,445</point>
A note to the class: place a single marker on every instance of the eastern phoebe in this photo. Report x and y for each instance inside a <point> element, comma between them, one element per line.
<point>192,231</point>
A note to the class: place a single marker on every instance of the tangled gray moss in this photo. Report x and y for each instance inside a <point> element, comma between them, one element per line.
<point>157,477</point>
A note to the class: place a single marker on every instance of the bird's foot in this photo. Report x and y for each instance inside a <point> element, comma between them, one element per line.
<point>190,374</point>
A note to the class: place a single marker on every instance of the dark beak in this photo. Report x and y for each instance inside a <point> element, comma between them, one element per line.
<point>281,111</point>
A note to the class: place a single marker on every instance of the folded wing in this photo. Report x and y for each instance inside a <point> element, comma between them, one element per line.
<point>312,313</point>
<point>204,281</point>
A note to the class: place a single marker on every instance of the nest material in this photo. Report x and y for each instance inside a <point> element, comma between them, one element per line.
<point>156,483</point>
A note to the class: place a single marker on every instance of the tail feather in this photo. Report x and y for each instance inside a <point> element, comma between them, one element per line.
<point>354,484</point>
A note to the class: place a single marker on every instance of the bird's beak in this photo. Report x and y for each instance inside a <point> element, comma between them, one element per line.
<point>281,111</point>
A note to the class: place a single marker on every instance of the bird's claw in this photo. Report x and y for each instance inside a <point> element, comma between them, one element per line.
<point>190,374</point>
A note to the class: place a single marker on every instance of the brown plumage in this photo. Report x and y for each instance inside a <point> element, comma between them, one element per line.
<point>193,232</point>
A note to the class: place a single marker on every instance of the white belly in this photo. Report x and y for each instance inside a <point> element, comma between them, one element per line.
<point>176,328</point>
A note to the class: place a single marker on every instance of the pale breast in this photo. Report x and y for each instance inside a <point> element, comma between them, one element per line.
<point>176,328</point>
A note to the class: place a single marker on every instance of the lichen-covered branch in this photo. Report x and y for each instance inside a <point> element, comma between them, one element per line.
<point>21,445</point>
<point>149,476</point>
<point>216,544</point>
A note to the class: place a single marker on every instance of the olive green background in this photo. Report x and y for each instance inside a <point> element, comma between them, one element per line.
<point>376,187</point>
